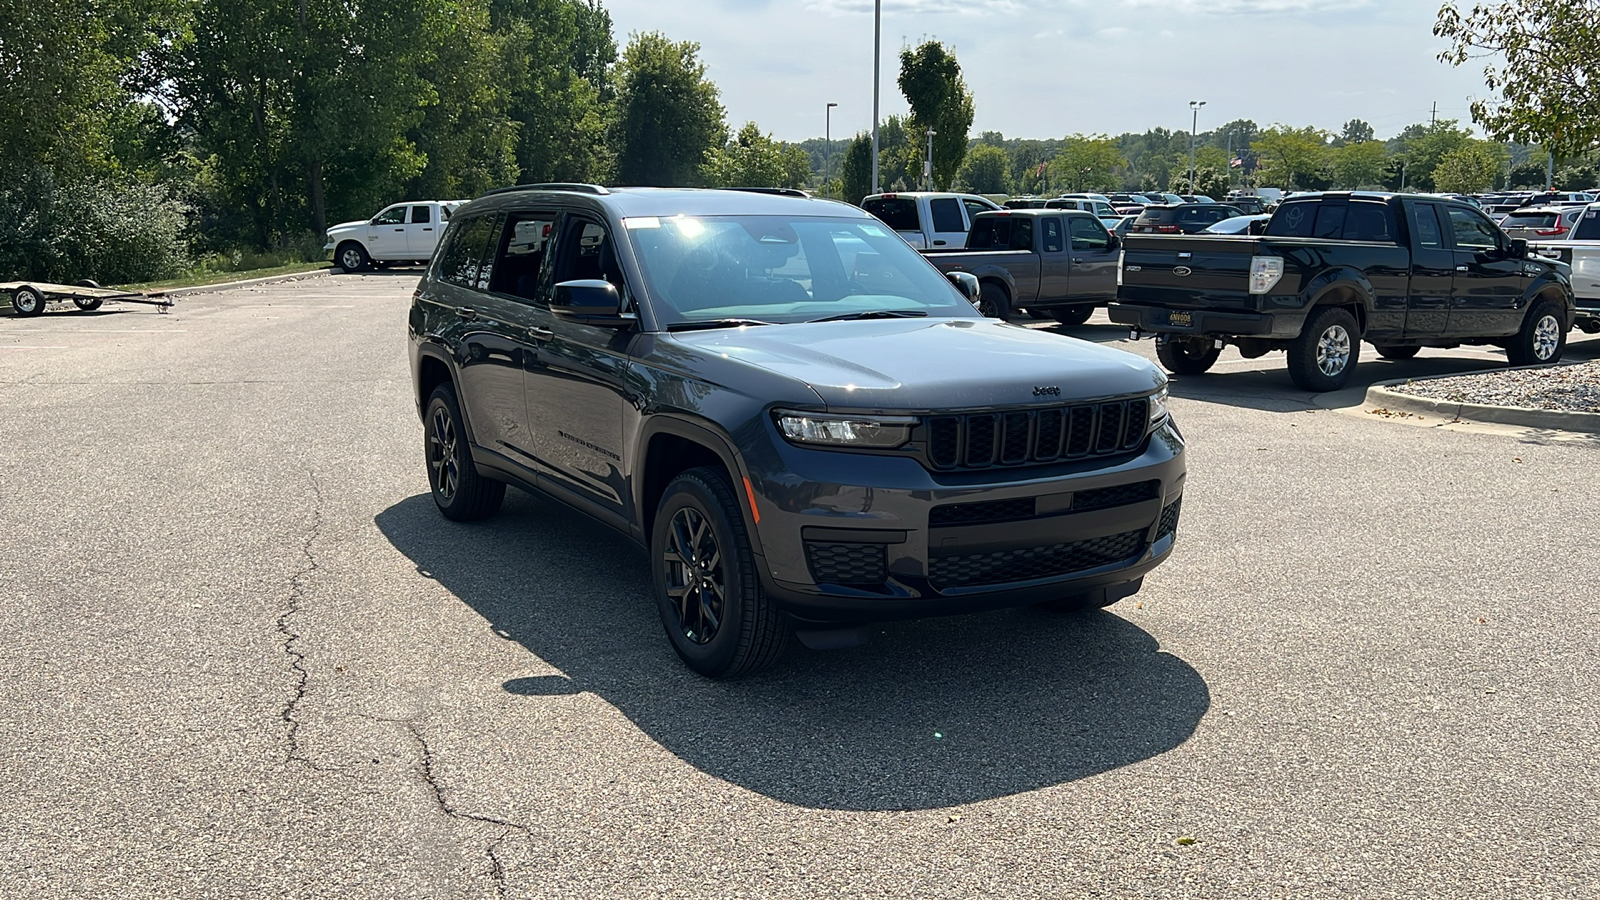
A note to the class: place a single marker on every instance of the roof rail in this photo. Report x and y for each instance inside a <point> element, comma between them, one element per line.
<point>570,186</point>
<point>779,192</point>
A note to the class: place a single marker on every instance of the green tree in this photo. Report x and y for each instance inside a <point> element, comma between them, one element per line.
<point>1357,165</point>
<point>668,117</point>
<point>466,134</point>
<point>753,159</point>
<point>1292,157</point>
<point>1470,168</point>
<point>855,171</point>
<point>1027,166</point>
<point>1356,132</point>
<point>1542,57</point>
<point>558,65</point>
<point>1424,148</point>
<point>1087,163</point>
<point>1210,181</point>
<point>987,170</point>
<point>930,79</point>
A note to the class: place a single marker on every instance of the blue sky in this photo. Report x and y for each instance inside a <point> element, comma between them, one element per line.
<point>1048,68</point>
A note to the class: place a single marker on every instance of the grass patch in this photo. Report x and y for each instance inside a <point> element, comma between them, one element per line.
<point>201,278</point>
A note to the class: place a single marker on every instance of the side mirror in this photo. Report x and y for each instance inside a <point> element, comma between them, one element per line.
<point>1519,248</point>
<point>967,284</point>
<point>1114,243</point>
<point>1257,228</point>
<point>591,301</point>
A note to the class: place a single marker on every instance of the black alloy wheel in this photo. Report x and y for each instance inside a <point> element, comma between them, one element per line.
<point>1188,356</point>
<point>461,494</point>
<point>715,613</point>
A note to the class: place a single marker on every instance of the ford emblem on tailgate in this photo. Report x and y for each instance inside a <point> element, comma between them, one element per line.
<point>1183,271</point>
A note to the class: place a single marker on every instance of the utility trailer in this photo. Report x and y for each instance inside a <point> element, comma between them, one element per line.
<point>29,298</point>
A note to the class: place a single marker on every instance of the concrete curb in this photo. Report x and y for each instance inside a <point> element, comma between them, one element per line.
<point>1379,396</point>
<point>175,293</point>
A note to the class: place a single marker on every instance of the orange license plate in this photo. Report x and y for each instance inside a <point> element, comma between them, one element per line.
<point>1180,318</point>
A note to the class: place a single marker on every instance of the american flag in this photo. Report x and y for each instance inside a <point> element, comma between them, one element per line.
<point>1236,162</point>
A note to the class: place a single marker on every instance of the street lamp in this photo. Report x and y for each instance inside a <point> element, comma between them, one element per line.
<point>827,147</point>
<point>1194,129</point>
<point>877,46</point>
<point>927,167</point>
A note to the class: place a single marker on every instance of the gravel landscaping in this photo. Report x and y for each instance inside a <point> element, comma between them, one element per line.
<point>1573,388</point>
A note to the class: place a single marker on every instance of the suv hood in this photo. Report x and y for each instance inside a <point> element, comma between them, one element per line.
<point>931,365</point>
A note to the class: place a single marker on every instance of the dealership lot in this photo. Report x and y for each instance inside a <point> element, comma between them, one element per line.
<point>244,656</point>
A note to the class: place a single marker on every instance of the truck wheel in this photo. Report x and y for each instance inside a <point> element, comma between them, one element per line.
<point>994,302</point>
<point>27,301</point>
<point>1073,316</point>
<point>1324,356</point>
<point>1188,356</point>
<point>1037,313</point>
<point>352,257</point>
<point>461,494</point>
<point>1541,339</point>
<point>718,618</point>
<point>1390,351</point>
<point>87,304</point>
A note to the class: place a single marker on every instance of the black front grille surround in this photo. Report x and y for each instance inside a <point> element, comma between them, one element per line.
<point>1169,519</point>
<point>1029,563</point>
<point>1037,435</point>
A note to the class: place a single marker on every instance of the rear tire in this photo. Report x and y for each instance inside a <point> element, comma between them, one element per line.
<point>994,302</point>
<point>1389,351</point>
<point>716,615</point>
<point>1188,356</point>
<point>1325,354</point>
<point>1542,338</point>
<point>89,304</point>
<point>461,494</point>
<point>351,256</point>
<point>27,301</point>
<point>1072,316</point>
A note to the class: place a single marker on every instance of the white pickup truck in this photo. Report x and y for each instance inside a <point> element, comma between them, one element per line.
<point>404,232</point>
<point>1579,247</point>
<point>929,219</point>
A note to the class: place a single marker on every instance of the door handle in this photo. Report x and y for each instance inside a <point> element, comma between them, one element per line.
<point>466,312</point>
<point>540,333</point>
<point>938,243</point>
<point>427,229</point>
<point>1461,268</point>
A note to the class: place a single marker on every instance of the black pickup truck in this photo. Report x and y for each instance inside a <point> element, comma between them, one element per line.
<point>1056,262</point>
<point>1399,271</point>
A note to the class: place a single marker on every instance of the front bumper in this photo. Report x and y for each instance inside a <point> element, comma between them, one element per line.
<point>853,537</point>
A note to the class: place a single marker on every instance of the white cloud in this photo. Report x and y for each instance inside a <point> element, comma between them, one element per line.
<point>914,7</point>
<point>1248,7</point>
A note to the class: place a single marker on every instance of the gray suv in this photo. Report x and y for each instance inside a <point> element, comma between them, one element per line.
<point>807,426</point>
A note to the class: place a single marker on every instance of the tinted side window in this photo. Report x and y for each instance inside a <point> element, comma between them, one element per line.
<point>990,233</point>
<point>899,213</point>
<point>586,252</point>
<point>1052,234</point>
<point>520,260</point>
<point>1087,234</point>
<point>1293,220</point>
<point>1330,221</point>
<point>1022,234</point>
<point>1429,234</point>
<point>1473,231</point>
<point>463,255</point>
<point>946,215</point>
<point>421,215</point>
<point>973,208</point>
<point>1588,226</point>
<point>1368,222</point>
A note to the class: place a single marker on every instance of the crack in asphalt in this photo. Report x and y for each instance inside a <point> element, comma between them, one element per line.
<point>291,637</point>
<point>497,869</point>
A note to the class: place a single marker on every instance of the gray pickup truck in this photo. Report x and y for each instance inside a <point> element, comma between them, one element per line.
<point>1056,262</point>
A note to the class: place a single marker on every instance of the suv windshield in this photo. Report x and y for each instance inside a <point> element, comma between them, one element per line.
<point>780,269</point>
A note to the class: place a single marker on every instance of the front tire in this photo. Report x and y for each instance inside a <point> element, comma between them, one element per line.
<point>27,301</point>
<point>1324,356</point>
<point>719,620</point>
<point>352,257</point>
<point>461,494</point>
<point>994,302</point>
<point>87,304</point>
<point>1188,356</point>
<point>1542,338</point>
<point>1072,316</point>
<point>1389,351</point>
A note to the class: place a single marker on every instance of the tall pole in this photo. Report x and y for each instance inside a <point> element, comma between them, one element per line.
<point>877,47</point>
<point>1194,129</point>
<point>827,148</point>
<point>927,170</point>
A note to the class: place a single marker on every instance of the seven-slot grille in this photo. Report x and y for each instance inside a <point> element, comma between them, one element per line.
<point>1021,437</point>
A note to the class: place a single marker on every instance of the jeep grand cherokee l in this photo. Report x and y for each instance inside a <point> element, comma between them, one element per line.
<point>806,425</point>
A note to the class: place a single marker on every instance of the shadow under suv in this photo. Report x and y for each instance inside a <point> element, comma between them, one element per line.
<point>806,425</point>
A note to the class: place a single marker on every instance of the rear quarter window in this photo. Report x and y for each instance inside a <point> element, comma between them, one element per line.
<point>1293,220</point>
<point>990,233</point>
<point>1588,228</point>
<point>899,213</point>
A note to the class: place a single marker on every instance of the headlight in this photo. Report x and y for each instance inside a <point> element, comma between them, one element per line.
<point>1158,406</point>
<point>1265,271</point>
<point>879,432</point>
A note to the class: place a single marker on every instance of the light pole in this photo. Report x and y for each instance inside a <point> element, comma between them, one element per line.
<point>1194,129</point>
<point>877,46</point>
<point>827,147</point>
<point>927,167</point>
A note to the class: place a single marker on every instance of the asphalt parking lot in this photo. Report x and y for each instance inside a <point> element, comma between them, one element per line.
<point>244,657</point>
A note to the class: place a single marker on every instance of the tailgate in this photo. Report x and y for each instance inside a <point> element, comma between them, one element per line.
<point>1187,271</point>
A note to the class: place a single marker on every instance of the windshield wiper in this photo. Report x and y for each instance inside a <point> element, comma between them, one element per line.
<point>876,314</point>
<point>714,323</point>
